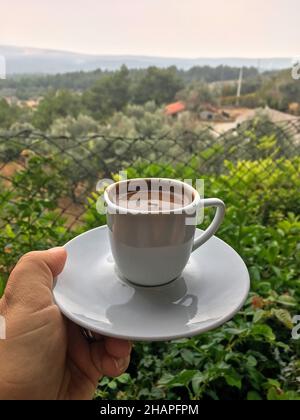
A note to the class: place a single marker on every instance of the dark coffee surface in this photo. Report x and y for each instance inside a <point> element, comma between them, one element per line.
<point>153,200</point>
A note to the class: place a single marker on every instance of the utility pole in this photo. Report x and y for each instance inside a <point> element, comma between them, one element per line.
<point>239,88</point>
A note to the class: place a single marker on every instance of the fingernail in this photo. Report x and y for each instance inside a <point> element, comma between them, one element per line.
<point>122,364</point>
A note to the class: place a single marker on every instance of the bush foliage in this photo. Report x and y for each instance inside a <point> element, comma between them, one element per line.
<point>253,356</point>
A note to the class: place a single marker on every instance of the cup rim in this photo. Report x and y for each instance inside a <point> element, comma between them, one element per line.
<point>189,207</point>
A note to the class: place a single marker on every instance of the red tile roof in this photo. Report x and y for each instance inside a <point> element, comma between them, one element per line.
<point>174,108</point>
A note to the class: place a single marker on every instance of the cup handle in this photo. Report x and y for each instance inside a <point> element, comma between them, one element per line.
<point>215,224</point>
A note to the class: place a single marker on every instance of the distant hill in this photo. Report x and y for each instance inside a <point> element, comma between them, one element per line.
<point>23,60</point>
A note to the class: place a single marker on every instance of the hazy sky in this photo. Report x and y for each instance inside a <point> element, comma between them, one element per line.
<point>187,28</point>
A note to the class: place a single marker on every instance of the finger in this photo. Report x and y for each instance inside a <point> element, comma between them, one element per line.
<point>106,364</point>
<point>54,259</point>
<point>30,283</point>
<point>93,359</point>
<point>85,375</point>
<point>114,367</point>
<point>118,348</point>
<point>79,351</point>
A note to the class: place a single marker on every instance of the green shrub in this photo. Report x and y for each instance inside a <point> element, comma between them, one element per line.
<point>29,216</point>
<point>253,356</point>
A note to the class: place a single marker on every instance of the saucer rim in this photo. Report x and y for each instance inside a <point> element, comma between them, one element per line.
<point>173,337</point>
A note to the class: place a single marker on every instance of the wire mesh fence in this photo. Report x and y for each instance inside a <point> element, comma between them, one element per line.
<point>69,168</point>
<point>48,195</point>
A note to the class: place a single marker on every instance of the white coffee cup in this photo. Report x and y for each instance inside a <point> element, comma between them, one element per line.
<point>151,247</point>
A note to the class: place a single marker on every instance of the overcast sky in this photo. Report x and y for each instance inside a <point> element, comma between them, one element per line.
<point>180,28</point>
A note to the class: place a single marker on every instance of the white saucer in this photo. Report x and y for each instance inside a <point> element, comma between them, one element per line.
<point>212,288</point>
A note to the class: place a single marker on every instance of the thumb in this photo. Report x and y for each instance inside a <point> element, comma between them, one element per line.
<point>54,259</point>
<point>30,283</point>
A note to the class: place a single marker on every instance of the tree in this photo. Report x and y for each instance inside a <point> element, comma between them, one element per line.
<point>159,85</point>
<point>74,127</point>
<point>9,114</point>
<point>213,74</point>
<point>290,92</point>
<point>56,104</point>
<point>109,94</point>
<point>197,95</point>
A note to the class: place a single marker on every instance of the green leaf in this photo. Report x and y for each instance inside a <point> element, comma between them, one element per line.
<point>273,383</point>
<point>166,379</point>
<point>104,381</point>
<point>233,379</point>
<point>261,330</point>
<point>274,394</point>
<point>259,315</point>
<point>251,361</point>
<point>235,331</point>
<point>284,317</point>
<point>188,356</point>
<point>112,385</point>
<point>265,287</point>
<point>2,286</point>
<point>9,232</point>
<point>277,271</point>
<point>255,273</point>
<point>181,379</point>
<point>253,396</point>
<point>256,378</point>
<point>124,379</point>
<point>287,300</point>
<point>184,378</point>
<point>198,379</point>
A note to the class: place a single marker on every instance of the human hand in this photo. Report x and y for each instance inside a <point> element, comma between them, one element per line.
<point>44,355</point>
